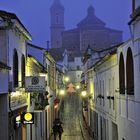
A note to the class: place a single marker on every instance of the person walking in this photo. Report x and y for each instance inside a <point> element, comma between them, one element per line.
<point>57,128</point>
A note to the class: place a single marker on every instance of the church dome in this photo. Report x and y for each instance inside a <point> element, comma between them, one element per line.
<point>91,21</point>
<point>91,10</point>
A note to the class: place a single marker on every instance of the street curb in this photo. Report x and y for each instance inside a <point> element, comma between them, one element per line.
<point>84,128</point>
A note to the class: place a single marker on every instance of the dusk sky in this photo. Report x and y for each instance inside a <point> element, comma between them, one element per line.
<point>35,15</point>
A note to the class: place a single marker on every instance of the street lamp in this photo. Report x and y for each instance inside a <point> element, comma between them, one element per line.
<point>66,79</point>
<point>58,102</point>
<point>83,93</point>
<point>77,86</point>
<point>62,92</point>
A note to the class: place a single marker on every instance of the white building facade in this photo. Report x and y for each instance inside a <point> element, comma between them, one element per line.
<point>13,101</point>
<point>129,65</point>
<point>113,111</point>
<point>101,78</point>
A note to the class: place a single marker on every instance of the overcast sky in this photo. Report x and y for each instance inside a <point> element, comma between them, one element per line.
<point>35,15</point>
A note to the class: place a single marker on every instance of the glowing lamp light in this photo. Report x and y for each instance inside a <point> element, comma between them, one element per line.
<point>77,87</point>
<point>15,94</point>
<point>18,118</point>
<point>62,92</point>
<point>17,123</point>
<point>67,79</point>
<point>84,93</point>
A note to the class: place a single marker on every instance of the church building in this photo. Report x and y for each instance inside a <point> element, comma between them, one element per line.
<point>90,31</point>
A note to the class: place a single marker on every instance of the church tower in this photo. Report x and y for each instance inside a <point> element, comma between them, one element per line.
<point>57,24</point>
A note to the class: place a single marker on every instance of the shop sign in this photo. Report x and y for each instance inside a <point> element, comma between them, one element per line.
<point>35,84</point>
<point>28,118</point>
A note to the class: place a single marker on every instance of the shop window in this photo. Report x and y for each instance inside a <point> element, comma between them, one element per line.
<point>121,75</point>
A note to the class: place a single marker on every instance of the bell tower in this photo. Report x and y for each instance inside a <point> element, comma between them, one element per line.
<point>57,24</point>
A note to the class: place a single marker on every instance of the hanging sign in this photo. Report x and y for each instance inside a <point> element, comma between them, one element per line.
<point>35,84</point>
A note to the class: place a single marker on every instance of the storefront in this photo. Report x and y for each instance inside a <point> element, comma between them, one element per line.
<point>17,130</point>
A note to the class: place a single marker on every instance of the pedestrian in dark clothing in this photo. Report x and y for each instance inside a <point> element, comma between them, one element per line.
<point>57,129</point>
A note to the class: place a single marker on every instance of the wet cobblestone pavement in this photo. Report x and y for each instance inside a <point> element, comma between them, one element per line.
<point>73,123</point>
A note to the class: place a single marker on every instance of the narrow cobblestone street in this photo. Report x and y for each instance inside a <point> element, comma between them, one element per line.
<point>73,124</point>
<point>69,70</point>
